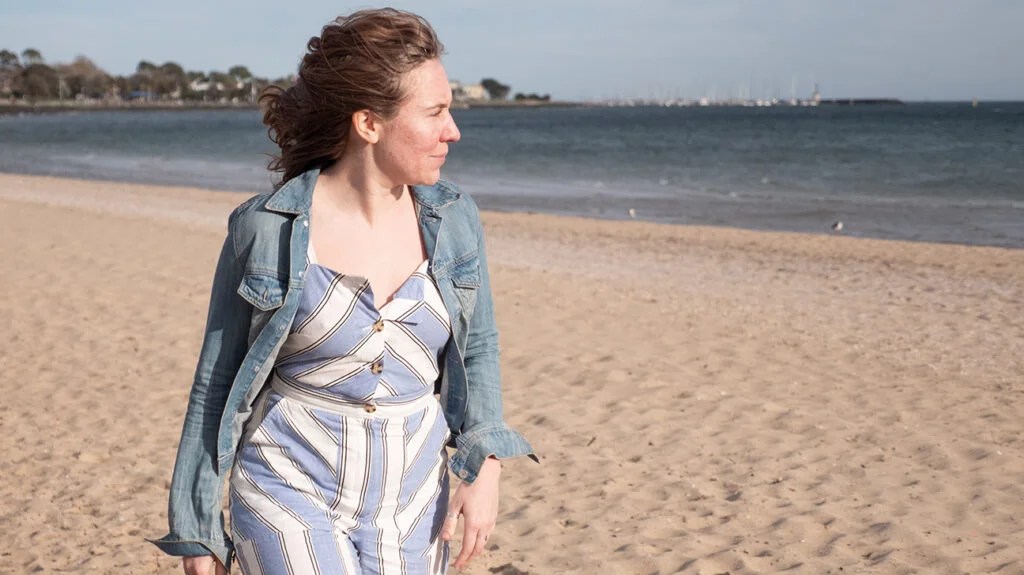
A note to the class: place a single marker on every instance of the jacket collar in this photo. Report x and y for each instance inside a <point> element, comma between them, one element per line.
<point>436,196</point>
<point>296,195</point>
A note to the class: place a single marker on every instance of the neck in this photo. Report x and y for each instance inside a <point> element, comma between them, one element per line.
<point>351,187</point>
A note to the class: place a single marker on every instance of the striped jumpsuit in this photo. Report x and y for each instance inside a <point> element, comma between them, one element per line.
<point>342,467</point>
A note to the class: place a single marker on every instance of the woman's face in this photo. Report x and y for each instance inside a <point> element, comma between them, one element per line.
<point>413,144</point>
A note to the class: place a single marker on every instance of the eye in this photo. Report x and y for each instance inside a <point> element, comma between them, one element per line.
<point>438,112</point>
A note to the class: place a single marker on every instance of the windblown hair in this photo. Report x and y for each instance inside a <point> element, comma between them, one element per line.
<point>356,63</point>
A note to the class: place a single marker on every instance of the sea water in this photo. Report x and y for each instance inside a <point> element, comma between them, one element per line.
<point>934,172</point>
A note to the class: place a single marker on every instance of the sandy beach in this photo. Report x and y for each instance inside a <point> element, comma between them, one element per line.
<point>703,400</point>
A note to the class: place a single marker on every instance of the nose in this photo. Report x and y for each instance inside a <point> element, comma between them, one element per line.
<point>451,133</point>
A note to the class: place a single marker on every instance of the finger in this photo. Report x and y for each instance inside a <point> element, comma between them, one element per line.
<point>451,521</point>
<point>468,544</point>
<point>481,542</point>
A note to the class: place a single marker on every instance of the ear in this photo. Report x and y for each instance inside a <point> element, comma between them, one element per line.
<point>367,126</point>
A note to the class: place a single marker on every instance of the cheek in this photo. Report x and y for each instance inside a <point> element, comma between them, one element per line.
<point>424,138</point>
<point>411,146</point>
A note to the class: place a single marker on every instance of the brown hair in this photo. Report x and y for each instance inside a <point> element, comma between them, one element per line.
<point>356,63</point>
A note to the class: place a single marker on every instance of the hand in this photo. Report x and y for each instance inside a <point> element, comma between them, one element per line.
<point>477,502</point>
<point>203,565</point>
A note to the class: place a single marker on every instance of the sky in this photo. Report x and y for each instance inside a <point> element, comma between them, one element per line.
<point>582,49</point>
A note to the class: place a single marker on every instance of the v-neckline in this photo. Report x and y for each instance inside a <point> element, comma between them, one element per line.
<point>311,255</point>
<point>311,258</point>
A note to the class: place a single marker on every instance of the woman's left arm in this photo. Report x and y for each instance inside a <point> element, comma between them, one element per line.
<point>484,431</point>
<point>486,438</point>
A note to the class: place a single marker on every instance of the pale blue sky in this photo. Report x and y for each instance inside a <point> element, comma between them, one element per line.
<point>583,49</point>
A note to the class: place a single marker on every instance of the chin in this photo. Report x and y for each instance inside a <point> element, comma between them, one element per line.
<point>429,179</point>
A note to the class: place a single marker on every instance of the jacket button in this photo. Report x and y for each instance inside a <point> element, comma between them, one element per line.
<point>369,407</point>
<point>377,367</point>
<point>463,473</point>
<point>379,326</point>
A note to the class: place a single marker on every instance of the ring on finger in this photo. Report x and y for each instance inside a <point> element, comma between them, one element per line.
<point>452,515</point>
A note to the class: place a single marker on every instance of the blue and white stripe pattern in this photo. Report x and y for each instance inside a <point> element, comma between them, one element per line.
<point>342,468</point>
<point>335,343</point>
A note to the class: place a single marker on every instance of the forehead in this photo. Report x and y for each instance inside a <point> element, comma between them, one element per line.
<point>427,85</point>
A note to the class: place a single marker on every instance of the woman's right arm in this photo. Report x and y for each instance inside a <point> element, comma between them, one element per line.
<point>195,511</point>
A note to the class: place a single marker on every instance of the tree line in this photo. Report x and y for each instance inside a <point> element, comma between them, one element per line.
<point>498,91</point>
<point>28,78</point>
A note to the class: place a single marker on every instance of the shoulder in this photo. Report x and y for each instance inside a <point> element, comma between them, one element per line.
<point>251,222</point>
<point>463,232</point>
<point>457,202</point>
<point>254,211</point>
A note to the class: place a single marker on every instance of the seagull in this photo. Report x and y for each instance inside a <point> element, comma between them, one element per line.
<point>631,212</point>
<point>837,226</point>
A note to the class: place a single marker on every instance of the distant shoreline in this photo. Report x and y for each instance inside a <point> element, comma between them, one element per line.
<point>55,108</point>
<point>521,104</point>
<point>7,109</point>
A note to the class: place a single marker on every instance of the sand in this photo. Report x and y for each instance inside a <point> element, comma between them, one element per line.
<point>704,400</point>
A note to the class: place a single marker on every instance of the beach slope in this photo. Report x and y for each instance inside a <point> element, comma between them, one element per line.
<point>704,400</point>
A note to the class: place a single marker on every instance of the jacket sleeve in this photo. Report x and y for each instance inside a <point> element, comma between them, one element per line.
<point>485,432</point>
<point>194,511</point>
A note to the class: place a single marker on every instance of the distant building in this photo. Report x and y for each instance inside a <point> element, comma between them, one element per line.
<point>468,92</point>
<point>200,85</point>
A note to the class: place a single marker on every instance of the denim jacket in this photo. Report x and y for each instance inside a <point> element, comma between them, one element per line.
<point>256,292</point>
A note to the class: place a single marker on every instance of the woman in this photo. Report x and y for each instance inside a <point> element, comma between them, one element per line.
<point>341,304</point>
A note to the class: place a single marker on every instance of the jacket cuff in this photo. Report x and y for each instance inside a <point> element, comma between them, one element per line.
<point>172,545</point>
<point>473,447</point>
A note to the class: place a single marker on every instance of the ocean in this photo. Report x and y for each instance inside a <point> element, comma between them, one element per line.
<point>939,172</point>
